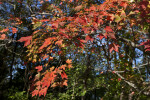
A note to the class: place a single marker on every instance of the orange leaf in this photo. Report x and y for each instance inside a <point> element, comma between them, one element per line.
<point>59,42</point>
<point>63,67</point>
<point>69,66</point>
<point>3,36</point>
<point>14,30</point>
<point>27,40</point>
<point>46,43</point>
<point>78,7</point>
<point>35,92</point>
<point>69,61</point>
<point>43,91</point>
<point>65,83</point>
<point>44,20</point>
<point>4,30</point>
<point>92,8</point>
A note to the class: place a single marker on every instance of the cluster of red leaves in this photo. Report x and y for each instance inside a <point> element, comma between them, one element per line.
<point>49,78</point>
<point>146,45</point>
<point>14,21</point>
<point>4,31</point>
<point>87,20</point>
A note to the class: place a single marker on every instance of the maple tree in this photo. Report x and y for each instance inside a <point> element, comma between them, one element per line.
<point>114,26</point>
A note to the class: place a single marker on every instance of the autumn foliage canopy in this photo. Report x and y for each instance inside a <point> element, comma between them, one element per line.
<point>85,24</point>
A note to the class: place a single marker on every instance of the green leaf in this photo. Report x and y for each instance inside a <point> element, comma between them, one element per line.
<point>38,24</point>
<point>83,93</point>
<point>117,18</point>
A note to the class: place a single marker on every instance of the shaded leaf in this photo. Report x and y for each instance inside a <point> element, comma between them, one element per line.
<point>39,68</point>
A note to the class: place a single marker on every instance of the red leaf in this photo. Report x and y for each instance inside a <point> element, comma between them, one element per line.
<point>36,31</point>
<point>46,56</point>
<point>143,4</point>
<point>39,68</point>
<point>110,17</point>
<point>43,91</point>
<point>47,42</point>
<point>44,20</point>
<point>112,35</point>
<point>81,40</point>
<point>27,40</point>
<point>62,23</point>
<point>114,47</point>
<point>95,25</point>
<point>147,49</point>
<point>119,79</point>
<point>19,1</point>
<point>78,7</point>
<point>89,38</point>
<point>35,92</point>
<point>70,18</point>
<point>86,30</point>
<point>64,75</point>
<point>55,25</point>
<point>79,45</point>
<point>63,34</point>
<point>92,8</point>
<point>38,83</point>
<point>124,4</point>
<point>101,36</point>
<point>108,29</point>
<point>145,43</point>
<point>46,83</point>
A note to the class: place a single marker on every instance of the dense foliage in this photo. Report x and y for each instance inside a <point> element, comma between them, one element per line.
<point>75,49</point>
